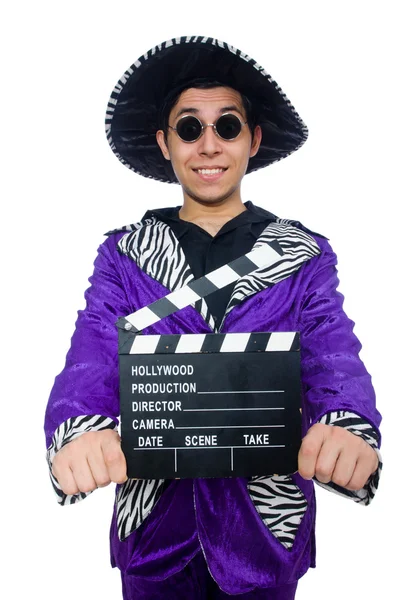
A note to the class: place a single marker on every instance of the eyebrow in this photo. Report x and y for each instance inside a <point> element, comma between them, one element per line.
<point>191,109</point>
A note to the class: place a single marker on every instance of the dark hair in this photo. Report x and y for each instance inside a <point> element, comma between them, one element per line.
<point>203,84</point>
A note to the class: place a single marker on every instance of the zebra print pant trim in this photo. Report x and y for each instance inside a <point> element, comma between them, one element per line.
<point>67,432</point>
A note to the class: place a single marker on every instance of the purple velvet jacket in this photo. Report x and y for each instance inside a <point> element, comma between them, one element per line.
<point>256,532</point>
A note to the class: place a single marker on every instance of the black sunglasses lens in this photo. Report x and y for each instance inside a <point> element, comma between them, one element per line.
<point>228,127</point>
<point>189,129</point>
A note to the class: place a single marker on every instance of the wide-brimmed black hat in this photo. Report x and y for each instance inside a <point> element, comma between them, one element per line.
<point>132,116</point>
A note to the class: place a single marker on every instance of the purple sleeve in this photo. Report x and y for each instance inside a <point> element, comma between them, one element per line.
<point>337,387</point>
<point>88,384</point>
<point>85,395</point>
<point>334,377</point>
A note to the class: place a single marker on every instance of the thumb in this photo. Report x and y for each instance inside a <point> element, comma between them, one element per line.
<point>114,459</point>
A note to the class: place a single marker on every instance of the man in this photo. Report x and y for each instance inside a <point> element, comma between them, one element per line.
<point>219,117</point>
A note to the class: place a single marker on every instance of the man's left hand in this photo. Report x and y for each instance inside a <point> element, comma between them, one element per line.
<point>331,453</point>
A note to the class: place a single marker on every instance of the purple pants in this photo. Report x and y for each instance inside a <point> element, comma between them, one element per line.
<point>194,582</point>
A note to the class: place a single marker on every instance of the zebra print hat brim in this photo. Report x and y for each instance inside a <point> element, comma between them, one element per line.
<point>132,116</point>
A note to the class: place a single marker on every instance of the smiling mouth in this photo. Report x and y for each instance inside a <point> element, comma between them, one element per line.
<point>210,175</point>
<point>210,171</point>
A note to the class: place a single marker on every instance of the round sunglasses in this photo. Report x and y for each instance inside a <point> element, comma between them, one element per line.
<point>190,129</point>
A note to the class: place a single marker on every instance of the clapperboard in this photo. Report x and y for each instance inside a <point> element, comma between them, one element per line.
<point>208,405</point>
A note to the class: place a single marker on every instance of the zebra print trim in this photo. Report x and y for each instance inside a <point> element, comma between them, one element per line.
<point>280,504</point>
<point>298,247</point>
<point>135,499</point>
<point>359,426</point>
<point>353,423</point>
<point>153,246</point>
<point>156,251</point>
<point>67,432</point>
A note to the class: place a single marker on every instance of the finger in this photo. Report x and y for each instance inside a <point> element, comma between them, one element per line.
<point>344,468</point>
<point>309,450</point>
<point>66,481</point>
<point>83,476</point>
<point>327,460</point>
<point>360,476</point>
<point>98,468</point>
<point>114,460</point>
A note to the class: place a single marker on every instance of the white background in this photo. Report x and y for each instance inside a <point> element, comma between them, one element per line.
<point>63,188</point>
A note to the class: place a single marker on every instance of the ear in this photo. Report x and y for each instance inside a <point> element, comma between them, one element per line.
<point>256,141</point>
<point>163,144</point>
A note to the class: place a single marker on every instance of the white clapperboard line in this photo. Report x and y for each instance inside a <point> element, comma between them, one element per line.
<point>196,343</point>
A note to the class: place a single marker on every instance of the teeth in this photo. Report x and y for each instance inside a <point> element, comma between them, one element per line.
<point>210,171</point>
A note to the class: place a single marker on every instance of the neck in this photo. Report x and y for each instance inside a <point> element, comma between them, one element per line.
<point>219,212</point>
<point>213,217</point>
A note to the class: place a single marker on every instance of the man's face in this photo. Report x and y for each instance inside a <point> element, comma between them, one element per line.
<point>209,151</point>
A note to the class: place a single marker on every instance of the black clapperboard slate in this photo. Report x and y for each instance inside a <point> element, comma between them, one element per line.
<point>215,413</point>
<point>209,405</point>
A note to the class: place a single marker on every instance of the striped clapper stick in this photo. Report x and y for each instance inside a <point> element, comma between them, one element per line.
<point>199,288</point>
<point>208,405</point>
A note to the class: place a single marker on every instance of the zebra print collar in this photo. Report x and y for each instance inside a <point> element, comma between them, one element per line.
<point>153,246</point>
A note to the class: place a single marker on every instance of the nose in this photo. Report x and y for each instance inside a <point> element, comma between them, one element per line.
<point>210,143</point>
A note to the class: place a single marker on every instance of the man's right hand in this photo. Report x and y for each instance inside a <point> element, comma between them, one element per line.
<point>92,460</point>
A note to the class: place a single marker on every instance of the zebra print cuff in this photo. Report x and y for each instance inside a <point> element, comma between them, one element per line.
<point>357,425</point>
<point>67,432</point>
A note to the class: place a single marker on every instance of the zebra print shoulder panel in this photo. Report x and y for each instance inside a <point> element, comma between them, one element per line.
<point>298,247</point>
<point>155,249</point>
<point>153,246</point>
<point>280,504</point>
